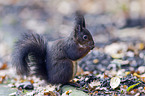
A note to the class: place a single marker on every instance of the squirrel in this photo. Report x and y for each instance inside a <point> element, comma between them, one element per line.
<point>56,60</point>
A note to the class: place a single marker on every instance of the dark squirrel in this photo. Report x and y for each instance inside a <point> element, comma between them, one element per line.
<point>54,60</point>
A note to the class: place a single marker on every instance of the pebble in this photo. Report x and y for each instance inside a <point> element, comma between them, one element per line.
<point>117,56</point>
<point>94,83</point>
<point>112,73</point>
<point>143,75</point>
<point>141,69</point>
<point>133,63</point>
<point>137,94</point>
<point>95,61</point>
<point>98,64</point>
<point>121,72</point>
<point>92,67</point>
<point>112,67</point>
<point>141,55</point>
<point>115,47</point>
<point>131,68</point>
<point>130,54</point>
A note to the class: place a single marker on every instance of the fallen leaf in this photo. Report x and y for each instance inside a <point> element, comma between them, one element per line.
<point>127,73</point>
<point>142,79</point>
<point>124,86</point>
<point>95,61</point>
<point>117,56</point>
<point>68,92</point>
<point>50,93</point>
<point>114,82</point>
<point>140,46</point>
<point>32,81</point>
<point>2,79</point>
<point>4,66</point>
<point>135,74</point>
<point>132,86</point>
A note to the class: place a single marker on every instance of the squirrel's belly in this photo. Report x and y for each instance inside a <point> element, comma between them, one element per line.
<point>74,68</point>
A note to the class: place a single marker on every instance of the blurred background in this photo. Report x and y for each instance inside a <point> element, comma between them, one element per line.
<point>107,20</point>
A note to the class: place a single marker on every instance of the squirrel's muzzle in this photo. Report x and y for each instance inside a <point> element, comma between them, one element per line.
<point>91,45</point>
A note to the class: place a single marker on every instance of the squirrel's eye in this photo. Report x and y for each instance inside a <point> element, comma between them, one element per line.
<point>85,37</point>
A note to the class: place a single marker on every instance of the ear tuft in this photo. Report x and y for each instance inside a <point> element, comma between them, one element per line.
<point>79,19</point>
<point>78,28</point>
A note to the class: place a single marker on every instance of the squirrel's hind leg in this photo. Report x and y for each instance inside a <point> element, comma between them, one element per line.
<point>61,72</point>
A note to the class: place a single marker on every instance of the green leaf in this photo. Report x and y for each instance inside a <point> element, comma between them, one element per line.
<point>74,92</point>
<point>132,86</point>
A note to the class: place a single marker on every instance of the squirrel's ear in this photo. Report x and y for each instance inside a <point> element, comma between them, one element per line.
<point>78,28</point>
<point>79,19</point>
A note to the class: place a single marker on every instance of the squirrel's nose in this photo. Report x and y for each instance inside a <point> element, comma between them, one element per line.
<point>92,47</point>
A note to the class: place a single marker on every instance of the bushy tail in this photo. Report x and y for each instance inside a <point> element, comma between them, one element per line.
<point>31,47</point>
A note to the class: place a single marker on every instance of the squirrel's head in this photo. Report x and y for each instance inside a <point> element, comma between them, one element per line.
<point>82,36</point>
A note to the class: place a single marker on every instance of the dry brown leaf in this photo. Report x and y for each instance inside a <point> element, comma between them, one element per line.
<point>32,81</point>
<point>50,93</point>
<point>142,79</point>
<point>124,86</point>
<point>105,75</point>
<point>4,66</point>
<point>127,73</point>
<point>86,73</point>
<point>2,79</point>
<point>68,92</point>
<point>135,74</point>
<point>140,46</point>
<point>95,61</point>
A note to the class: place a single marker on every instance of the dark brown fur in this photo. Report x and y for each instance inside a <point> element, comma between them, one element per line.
<point>53,61</point>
